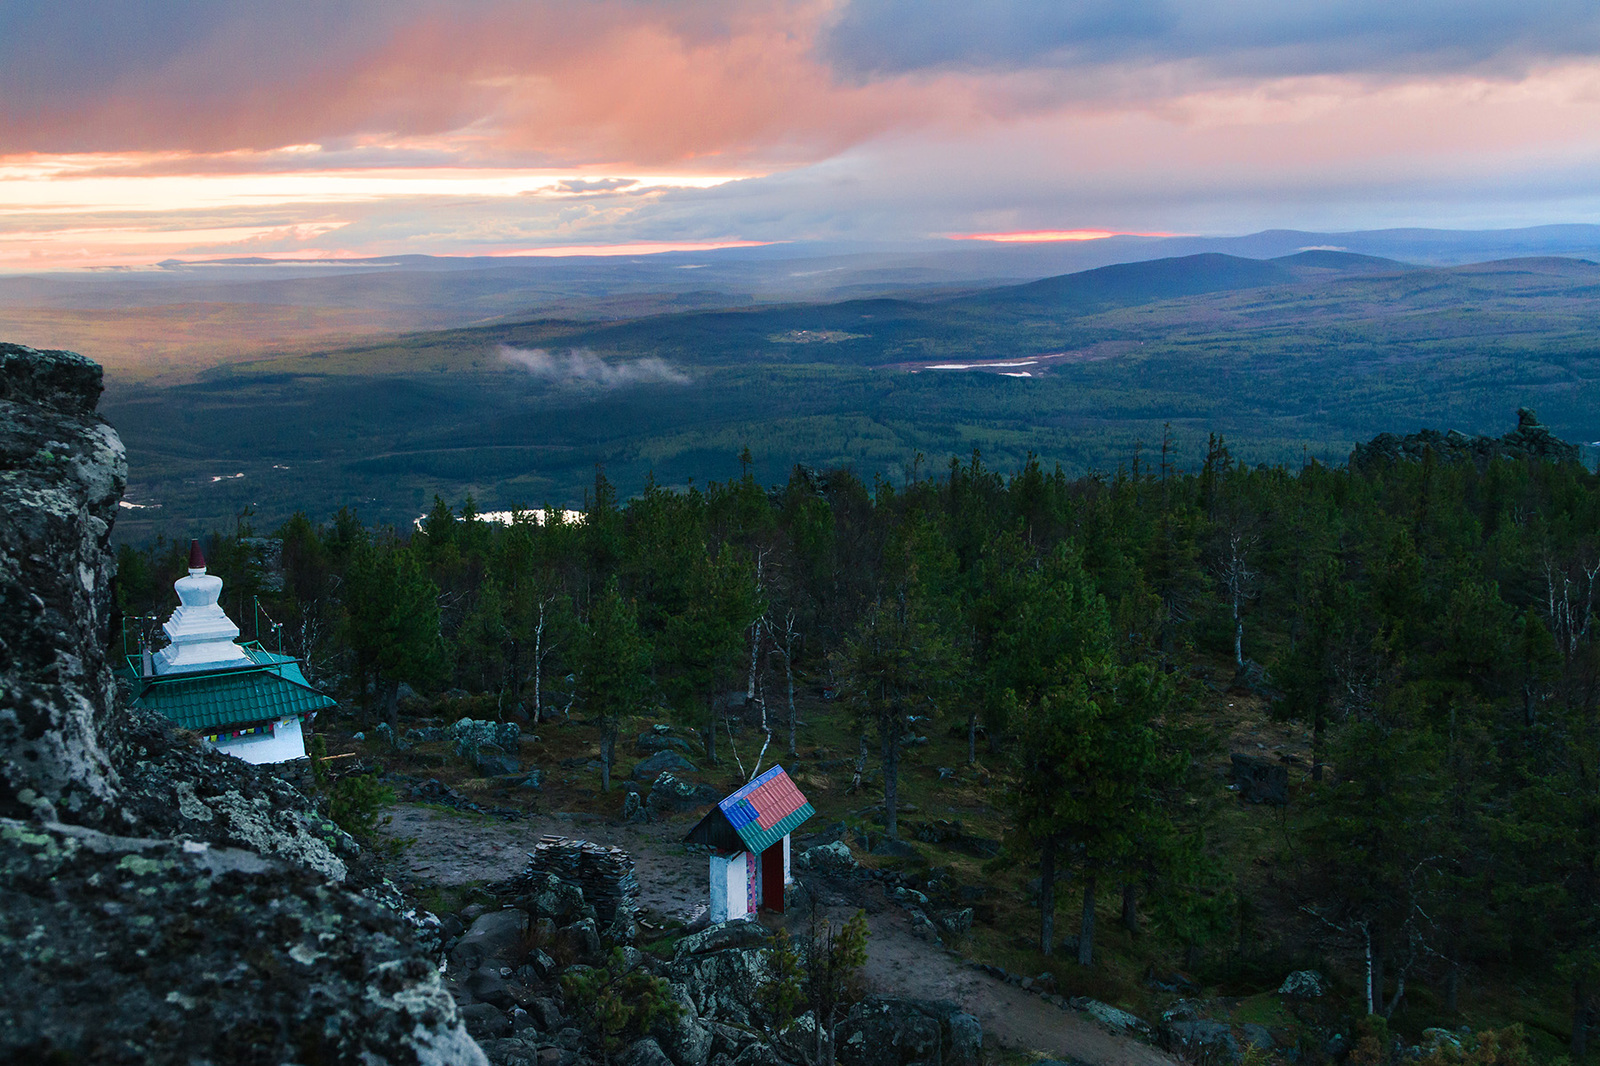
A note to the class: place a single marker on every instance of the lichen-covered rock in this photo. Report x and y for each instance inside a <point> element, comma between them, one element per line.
<point>831,856</point>
<point>670,795</point>
<point>173,788</point>
<point>62,472</point>
<point>1303,984</point>
<point>645,1052</point>
<point>1113,1018</point>
<point>686,1039</point>
<point>163,904</point>
<point>723,985</point>
<point>907,1032</point>
<point>121,949</point>
<point>489,746</point>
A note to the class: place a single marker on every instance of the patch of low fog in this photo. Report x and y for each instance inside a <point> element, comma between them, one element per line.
<point>580,366</point>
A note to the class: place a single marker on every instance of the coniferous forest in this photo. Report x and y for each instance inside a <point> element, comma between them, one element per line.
<point>1086,669</point>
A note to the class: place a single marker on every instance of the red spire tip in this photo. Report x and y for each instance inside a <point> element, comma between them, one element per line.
<point>197,560</point>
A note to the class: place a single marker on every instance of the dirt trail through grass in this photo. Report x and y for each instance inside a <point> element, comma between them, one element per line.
<point>451,849</point>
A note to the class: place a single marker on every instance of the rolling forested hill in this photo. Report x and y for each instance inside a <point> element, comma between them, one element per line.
<point>1294,357</point>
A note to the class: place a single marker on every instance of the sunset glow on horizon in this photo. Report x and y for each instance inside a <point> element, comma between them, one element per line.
<point>484,127</point>
<point>1044,236</point>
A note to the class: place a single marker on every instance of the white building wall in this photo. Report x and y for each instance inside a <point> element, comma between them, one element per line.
<point>286,742</point>
<point>788,872</point>
<point>730,886</point>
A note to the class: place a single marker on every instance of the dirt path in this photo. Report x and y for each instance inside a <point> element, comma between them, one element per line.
<point>900,964</point>
<point>451,849</point>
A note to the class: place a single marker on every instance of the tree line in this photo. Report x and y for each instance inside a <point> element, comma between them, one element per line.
<point>1429,624</point>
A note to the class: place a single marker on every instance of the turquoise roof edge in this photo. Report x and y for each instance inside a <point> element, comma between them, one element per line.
<point>761,839</point>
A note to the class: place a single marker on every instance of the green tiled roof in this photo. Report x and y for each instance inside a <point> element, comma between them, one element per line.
<point>228,698</point>
<point>758,840</point>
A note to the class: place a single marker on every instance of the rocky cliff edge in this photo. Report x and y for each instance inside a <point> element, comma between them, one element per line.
<point>162,903</point>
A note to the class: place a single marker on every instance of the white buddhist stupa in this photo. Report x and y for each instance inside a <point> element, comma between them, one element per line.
<point>240,698</point>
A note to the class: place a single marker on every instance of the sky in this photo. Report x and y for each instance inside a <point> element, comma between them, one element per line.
<point>134,133</point>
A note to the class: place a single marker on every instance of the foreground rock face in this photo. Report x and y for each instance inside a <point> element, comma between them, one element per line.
<point>62,472</point>
<point>124,949</point>
<point>162,903</point>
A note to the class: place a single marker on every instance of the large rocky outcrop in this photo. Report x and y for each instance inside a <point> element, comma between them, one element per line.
<point>1530,440</point>
<point>162,903</point>
<point>62,472</point>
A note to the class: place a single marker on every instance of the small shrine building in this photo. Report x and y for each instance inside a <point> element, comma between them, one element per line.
<point>748,833</point>
<point>240,698</point>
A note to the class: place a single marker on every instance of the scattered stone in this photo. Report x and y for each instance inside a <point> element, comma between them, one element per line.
<point>1257,1036</point>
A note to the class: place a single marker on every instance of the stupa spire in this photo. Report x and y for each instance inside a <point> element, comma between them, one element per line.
<point>201,633</point>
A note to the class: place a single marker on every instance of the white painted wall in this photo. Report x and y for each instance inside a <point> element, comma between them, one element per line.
<point>729,887</point>
<point>286,742</point>
<point>788,872</point>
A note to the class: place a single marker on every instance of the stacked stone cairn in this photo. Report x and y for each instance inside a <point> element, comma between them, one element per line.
<point>605,874</point>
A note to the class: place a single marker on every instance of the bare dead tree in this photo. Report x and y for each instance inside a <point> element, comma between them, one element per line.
<point>540,651</point>
<point>785,635</point>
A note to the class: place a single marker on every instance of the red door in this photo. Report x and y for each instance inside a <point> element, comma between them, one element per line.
<point>772,878</point>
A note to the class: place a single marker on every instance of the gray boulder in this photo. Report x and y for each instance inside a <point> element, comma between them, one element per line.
<point>672,795</point>
<point>652,742</point>
<point>1260,780</point>
<point>1195,1040</point>
<point>580,940</point>
<point>486,1021</point>
<point>496,938</point>
<point>758,1054</point>
<point>644,1052</point>
<point>545,895</point>
<point>1112,1018</point>
<point>489,746</point>
<point>686,1040</point>
<point>721,937</point>
<point>723,985</point>
<point>902,1032</point>
<point>1304,984</point>
<point>659,763</point>
<point>487,986</point>
<point>835,856</point>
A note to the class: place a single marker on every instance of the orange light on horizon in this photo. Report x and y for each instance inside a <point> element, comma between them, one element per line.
<point>1040,236</point>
